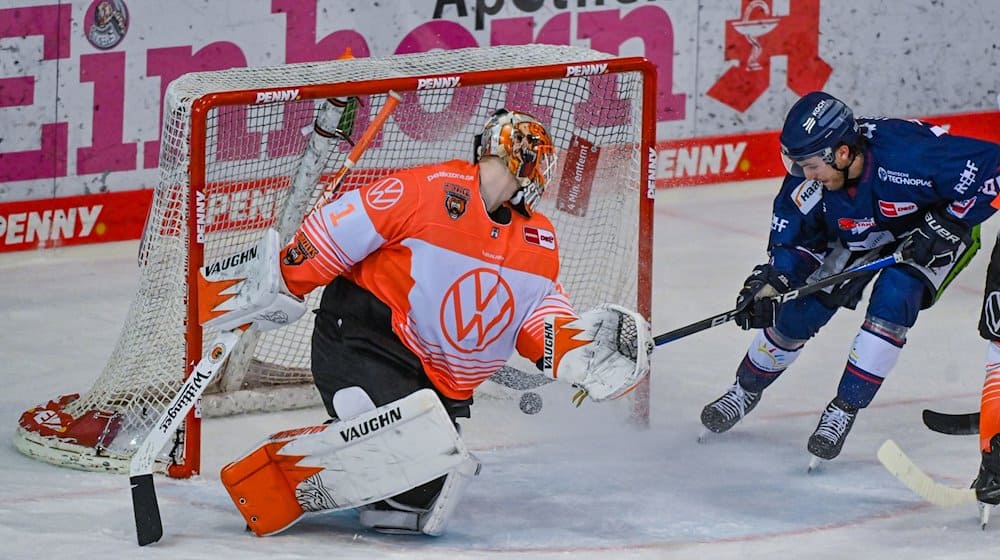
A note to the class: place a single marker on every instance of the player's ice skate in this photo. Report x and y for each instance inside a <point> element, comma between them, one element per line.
<point>726,411</point>
<point>828,439</point>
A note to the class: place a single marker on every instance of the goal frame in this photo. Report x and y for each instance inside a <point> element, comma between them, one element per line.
<point>579,63</point>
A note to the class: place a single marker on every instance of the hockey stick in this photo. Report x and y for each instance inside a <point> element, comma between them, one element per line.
<point>903,468</point>
<point>148,524</point>
<point>952,424</point>
<point>816,286</point>
<point>523,381</point>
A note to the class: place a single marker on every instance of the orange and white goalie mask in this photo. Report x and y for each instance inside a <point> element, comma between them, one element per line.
<point>521,142</point>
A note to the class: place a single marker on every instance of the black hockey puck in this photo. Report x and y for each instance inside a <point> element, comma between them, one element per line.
<point>531,402</point>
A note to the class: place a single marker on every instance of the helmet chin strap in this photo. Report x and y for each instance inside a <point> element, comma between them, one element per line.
<point>844,170</point>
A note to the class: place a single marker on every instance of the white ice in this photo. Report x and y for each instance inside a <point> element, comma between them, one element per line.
<point>565,483</point>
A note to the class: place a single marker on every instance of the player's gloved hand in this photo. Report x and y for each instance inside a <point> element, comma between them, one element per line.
<point>604,352</point>
<point>755,307</point>
<point>938,241</point>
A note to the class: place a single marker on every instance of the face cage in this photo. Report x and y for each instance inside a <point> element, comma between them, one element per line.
<point>527,197</point>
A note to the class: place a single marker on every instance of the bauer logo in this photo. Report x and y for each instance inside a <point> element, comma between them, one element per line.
<point>274,96</point>
<point>586,70</point>
<point>445,82</point>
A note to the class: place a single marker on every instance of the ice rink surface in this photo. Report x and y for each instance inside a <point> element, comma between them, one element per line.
<point>565,483</point>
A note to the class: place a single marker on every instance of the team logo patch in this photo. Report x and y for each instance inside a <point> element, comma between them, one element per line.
<point>384,194</point>
<point>541,237</point>
<point>106,23</point>
<point>455,200</point>
<point>302,250</point>
<point>896,209</point>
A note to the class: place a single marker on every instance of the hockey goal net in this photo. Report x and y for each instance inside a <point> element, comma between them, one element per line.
<point>240,152</point>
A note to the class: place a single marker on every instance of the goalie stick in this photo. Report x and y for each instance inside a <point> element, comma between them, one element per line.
<point>903,468</point>
<point>523,381</point>
<point>952,424</point>
<point>148,524</point>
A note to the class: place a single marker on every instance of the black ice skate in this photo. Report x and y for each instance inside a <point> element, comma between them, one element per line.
<point>834,425</point>
<point>987,484</point>
<point>723,413</point>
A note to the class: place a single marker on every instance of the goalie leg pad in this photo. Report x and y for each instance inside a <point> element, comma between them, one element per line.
<point>345,464</point>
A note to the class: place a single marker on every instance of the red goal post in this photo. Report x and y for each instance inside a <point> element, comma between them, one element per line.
<point>243,149</point>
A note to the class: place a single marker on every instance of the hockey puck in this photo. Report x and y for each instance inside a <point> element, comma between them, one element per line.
<point>531,402</point>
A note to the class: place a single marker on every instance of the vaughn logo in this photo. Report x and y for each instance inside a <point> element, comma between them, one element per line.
<point>231,261</point>
<point>445,82</point>
<point>280,95</point>
<point>371,425</point>
<point>586,70</point>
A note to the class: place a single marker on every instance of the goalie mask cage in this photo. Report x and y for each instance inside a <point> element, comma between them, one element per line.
<point>240,152</point>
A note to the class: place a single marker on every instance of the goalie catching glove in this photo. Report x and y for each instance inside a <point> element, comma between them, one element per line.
<point>247,287</point>
<point>604,352</point>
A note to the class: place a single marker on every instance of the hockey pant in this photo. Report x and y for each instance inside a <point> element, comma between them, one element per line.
<point>989,328</point>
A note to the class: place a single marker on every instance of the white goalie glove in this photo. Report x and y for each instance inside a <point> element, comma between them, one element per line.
<point>604,352</point>
<point>247,287</point>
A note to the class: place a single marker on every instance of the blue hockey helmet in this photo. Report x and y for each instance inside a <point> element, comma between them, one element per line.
<point>816,125</point>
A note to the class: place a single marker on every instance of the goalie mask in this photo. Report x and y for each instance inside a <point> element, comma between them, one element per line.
<point>521,142</point>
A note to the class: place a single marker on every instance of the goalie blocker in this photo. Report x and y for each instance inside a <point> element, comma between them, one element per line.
<point>360,461</point>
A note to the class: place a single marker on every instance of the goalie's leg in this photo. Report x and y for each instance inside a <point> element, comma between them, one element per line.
<point>374,456</point>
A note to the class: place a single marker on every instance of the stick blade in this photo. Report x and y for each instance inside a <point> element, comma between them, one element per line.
<point>903,468</point>
<point>952,424</point>
<point>148,526</point>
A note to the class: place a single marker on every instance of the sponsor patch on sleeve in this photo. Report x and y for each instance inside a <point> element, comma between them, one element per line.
<point>541,237</point>
<point>807,195</point>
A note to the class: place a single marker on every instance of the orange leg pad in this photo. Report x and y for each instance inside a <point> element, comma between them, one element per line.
<point>262,485</point>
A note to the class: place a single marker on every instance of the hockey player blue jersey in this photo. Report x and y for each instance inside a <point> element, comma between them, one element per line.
<point>910,167</point>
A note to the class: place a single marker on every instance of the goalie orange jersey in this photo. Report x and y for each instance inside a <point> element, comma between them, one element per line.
<point>464,291</point>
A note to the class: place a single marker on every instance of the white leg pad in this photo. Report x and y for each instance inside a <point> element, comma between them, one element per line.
<point>351,463</point>
<point>382,452</point>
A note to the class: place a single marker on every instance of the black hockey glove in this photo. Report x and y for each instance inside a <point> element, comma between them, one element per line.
<point>938,241</point>
<point>755,307</point>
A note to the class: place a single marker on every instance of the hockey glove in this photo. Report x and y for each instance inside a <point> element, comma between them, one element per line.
<point>755,308</point>
<point>247,288</point>
<point>938,241</point>
<point>604,352</point>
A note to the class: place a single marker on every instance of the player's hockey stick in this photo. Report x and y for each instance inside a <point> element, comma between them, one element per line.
<point>952,424</point>
<point>816,286</point>
<point>903,468</point>
<point>148,525</point>
<point>522,381</point>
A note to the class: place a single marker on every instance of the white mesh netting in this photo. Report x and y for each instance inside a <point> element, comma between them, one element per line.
<point>255,152</point>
